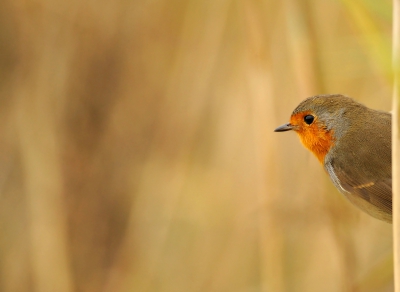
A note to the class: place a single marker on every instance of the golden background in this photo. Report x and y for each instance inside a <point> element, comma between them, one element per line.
<point>138,152</point>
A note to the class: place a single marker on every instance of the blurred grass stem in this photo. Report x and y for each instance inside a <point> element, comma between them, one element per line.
<point>396,144</point>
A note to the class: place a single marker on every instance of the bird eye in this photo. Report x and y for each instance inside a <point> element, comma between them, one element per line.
<point>309,119</point>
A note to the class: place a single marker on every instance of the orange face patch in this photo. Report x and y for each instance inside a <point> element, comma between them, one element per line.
<point>314,136</point>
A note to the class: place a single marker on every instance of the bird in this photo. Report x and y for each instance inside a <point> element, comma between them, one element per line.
<point>353,143</point>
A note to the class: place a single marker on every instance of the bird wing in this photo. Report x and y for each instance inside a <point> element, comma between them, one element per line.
<point>371,194</point>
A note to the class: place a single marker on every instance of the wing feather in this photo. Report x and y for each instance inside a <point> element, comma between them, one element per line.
<point>373,195</point>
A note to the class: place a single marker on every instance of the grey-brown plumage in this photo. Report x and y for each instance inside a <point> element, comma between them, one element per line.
<point>354,144</point>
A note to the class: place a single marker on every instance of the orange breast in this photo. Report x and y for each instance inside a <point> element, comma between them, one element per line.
<point>314,137</point>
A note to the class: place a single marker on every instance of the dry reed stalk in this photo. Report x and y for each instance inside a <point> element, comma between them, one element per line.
<point>395,143</point>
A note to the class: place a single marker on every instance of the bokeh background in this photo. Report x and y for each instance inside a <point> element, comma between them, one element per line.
<point>137,150</point>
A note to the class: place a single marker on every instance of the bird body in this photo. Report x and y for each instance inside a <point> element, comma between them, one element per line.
<point>353,142</point>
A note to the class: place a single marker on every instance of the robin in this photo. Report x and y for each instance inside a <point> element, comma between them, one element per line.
<point>353,143</point>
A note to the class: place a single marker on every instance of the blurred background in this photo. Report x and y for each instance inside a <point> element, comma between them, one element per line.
<point>138,152</point>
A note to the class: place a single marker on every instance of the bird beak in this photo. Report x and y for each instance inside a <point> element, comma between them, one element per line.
<point>284,127</point>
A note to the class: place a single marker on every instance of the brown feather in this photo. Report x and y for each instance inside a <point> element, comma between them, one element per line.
<point>358,155</point>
